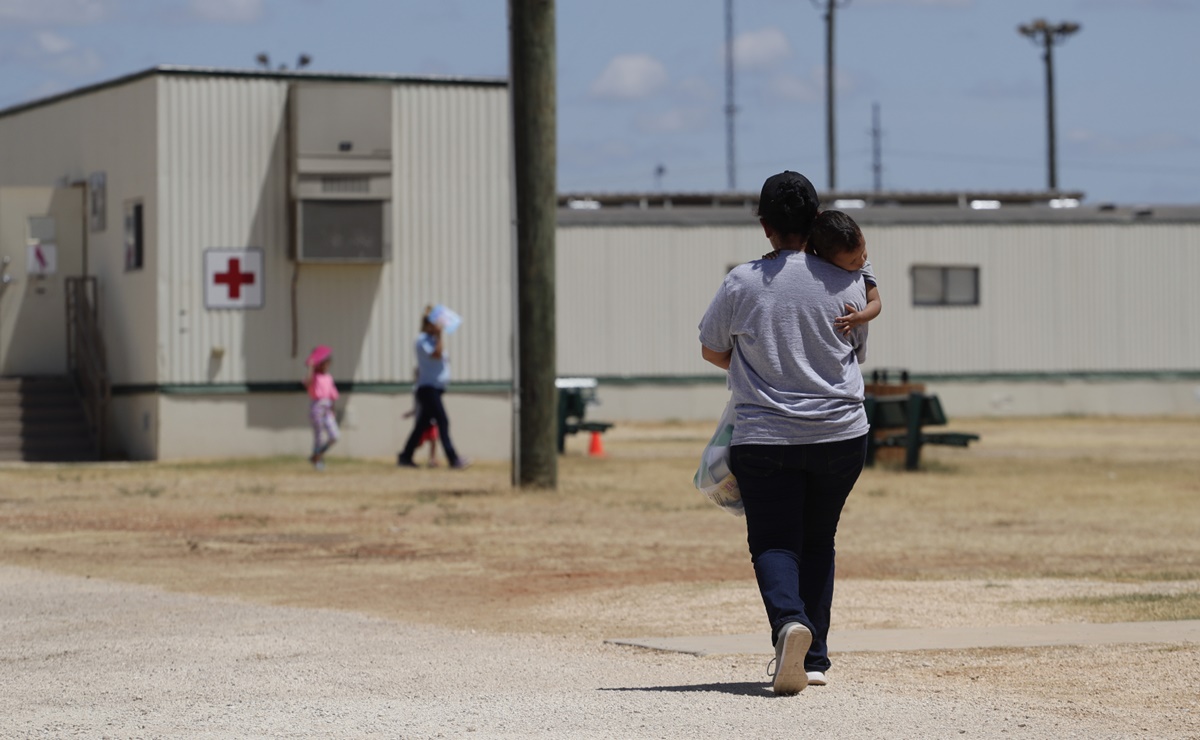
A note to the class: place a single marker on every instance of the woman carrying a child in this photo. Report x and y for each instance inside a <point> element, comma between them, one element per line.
<point>800,435</point>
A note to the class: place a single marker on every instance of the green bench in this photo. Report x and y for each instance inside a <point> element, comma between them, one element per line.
<point>912,413</point>
<point>574,394</point>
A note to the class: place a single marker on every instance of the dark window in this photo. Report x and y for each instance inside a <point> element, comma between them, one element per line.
<point>945,286</point>
<point>135,242</point>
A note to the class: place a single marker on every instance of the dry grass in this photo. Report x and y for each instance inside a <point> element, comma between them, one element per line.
<point>1042,520</point>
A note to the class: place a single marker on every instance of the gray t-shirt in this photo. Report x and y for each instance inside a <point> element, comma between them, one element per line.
<point>795,379</point>
<point>868,273</point>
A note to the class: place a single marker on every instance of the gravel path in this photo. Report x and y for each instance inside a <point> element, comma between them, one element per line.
<point>87,658</point>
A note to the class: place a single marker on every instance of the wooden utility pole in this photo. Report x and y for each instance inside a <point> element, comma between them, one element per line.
<point>532,87</point>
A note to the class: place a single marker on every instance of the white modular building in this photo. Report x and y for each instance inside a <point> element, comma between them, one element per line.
<point>1020,308</point>
<point>234,220</point>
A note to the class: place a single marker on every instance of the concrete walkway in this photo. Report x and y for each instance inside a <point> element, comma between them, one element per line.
<point>946,638</point>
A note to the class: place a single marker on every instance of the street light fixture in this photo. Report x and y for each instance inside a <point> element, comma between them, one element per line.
<point>1047,35</point>
<point>264,61</point>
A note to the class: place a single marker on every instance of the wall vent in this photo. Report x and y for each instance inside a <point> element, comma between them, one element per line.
<point>341,136</point>
<point>334,185</point>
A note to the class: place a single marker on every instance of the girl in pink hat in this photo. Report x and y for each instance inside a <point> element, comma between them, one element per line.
<point>322,393</point>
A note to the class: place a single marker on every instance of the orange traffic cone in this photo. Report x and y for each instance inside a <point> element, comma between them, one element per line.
<point>596,448</point>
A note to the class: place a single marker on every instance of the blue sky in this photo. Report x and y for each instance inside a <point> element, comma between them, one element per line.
<point>642,84</point>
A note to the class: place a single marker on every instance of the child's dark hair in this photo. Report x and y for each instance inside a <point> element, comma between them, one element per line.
<point>834,232</point>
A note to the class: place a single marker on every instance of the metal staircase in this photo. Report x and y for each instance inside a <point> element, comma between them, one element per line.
<point>42,420</point>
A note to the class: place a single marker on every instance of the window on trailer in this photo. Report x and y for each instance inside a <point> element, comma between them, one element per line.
<point>945,285</point>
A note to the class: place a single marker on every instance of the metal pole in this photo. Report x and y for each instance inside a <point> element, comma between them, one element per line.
<point>830,135</point>
<point>1047,35</point>
<point>1051,153</point>
<point>532,51</point>
<point>876,148</point>
<point>730,108</point>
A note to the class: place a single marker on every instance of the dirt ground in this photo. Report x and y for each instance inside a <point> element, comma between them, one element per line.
<point>1042,521</point>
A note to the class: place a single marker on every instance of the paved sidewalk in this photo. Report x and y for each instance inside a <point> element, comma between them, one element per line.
<point>946,638</point>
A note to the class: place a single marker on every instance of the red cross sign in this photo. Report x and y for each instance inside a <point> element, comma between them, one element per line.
<point>233,278</point>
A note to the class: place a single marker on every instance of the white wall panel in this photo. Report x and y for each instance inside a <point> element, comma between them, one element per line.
<point>1055,298</point>
<point>223,184</point>
<point>454,242</point>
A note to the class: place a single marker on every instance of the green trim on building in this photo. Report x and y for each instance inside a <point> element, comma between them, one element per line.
<point>504,387</point>
<point>241,389</point>
<point>1098,376</point>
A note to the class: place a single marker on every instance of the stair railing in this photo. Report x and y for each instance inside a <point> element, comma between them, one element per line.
<point>86,359</point>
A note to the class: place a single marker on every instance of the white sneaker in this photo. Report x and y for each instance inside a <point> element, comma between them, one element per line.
<point>791,647</point>
<point>816,678</point>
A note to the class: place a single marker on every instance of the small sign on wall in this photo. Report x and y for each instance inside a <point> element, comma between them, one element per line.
<point>42,259</point>
<point>97,198</point>
<point>233,278</point>
<point>41,255</point>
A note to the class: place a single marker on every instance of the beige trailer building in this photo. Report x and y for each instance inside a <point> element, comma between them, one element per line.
<point>230,221</point>
<point>1016,308</point>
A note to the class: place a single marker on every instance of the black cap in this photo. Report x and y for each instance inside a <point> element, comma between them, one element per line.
<point>788,203</point>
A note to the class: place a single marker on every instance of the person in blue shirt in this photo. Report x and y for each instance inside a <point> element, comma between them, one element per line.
<point>433,374</point>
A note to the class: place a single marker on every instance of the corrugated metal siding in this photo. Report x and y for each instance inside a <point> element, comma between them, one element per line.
<point>223,165</point>
<point>630,298</point>
<point>222,184</point>
<point>454,242</point>
<point>1054,298</point>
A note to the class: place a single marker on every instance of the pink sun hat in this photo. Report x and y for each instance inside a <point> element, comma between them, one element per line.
<point>319,354</point>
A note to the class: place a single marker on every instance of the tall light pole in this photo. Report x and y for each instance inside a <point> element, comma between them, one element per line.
<point>830,133</point>
<point>1047,35</point>
<point>730,107</point>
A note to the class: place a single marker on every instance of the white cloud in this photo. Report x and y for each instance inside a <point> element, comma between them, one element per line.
<point>227,11</point>
<point>51,43</point>
<point>77,12</point>
<point>763,49</point>
<point>630,77</point>
<point>795,89</point>
<point>54,52</point>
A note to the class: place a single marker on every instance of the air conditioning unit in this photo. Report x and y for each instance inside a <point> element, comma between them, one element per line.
<point>341,136</point>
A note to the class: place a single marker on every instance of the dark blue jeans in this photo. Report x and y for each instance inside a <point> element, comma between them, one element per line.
<point>794,496</point>
<point>430,399</point>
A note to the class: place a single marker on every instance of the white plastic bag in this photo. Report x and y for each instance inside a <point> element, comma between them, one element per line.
<point>713,478</point>
<point>445,319</point>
